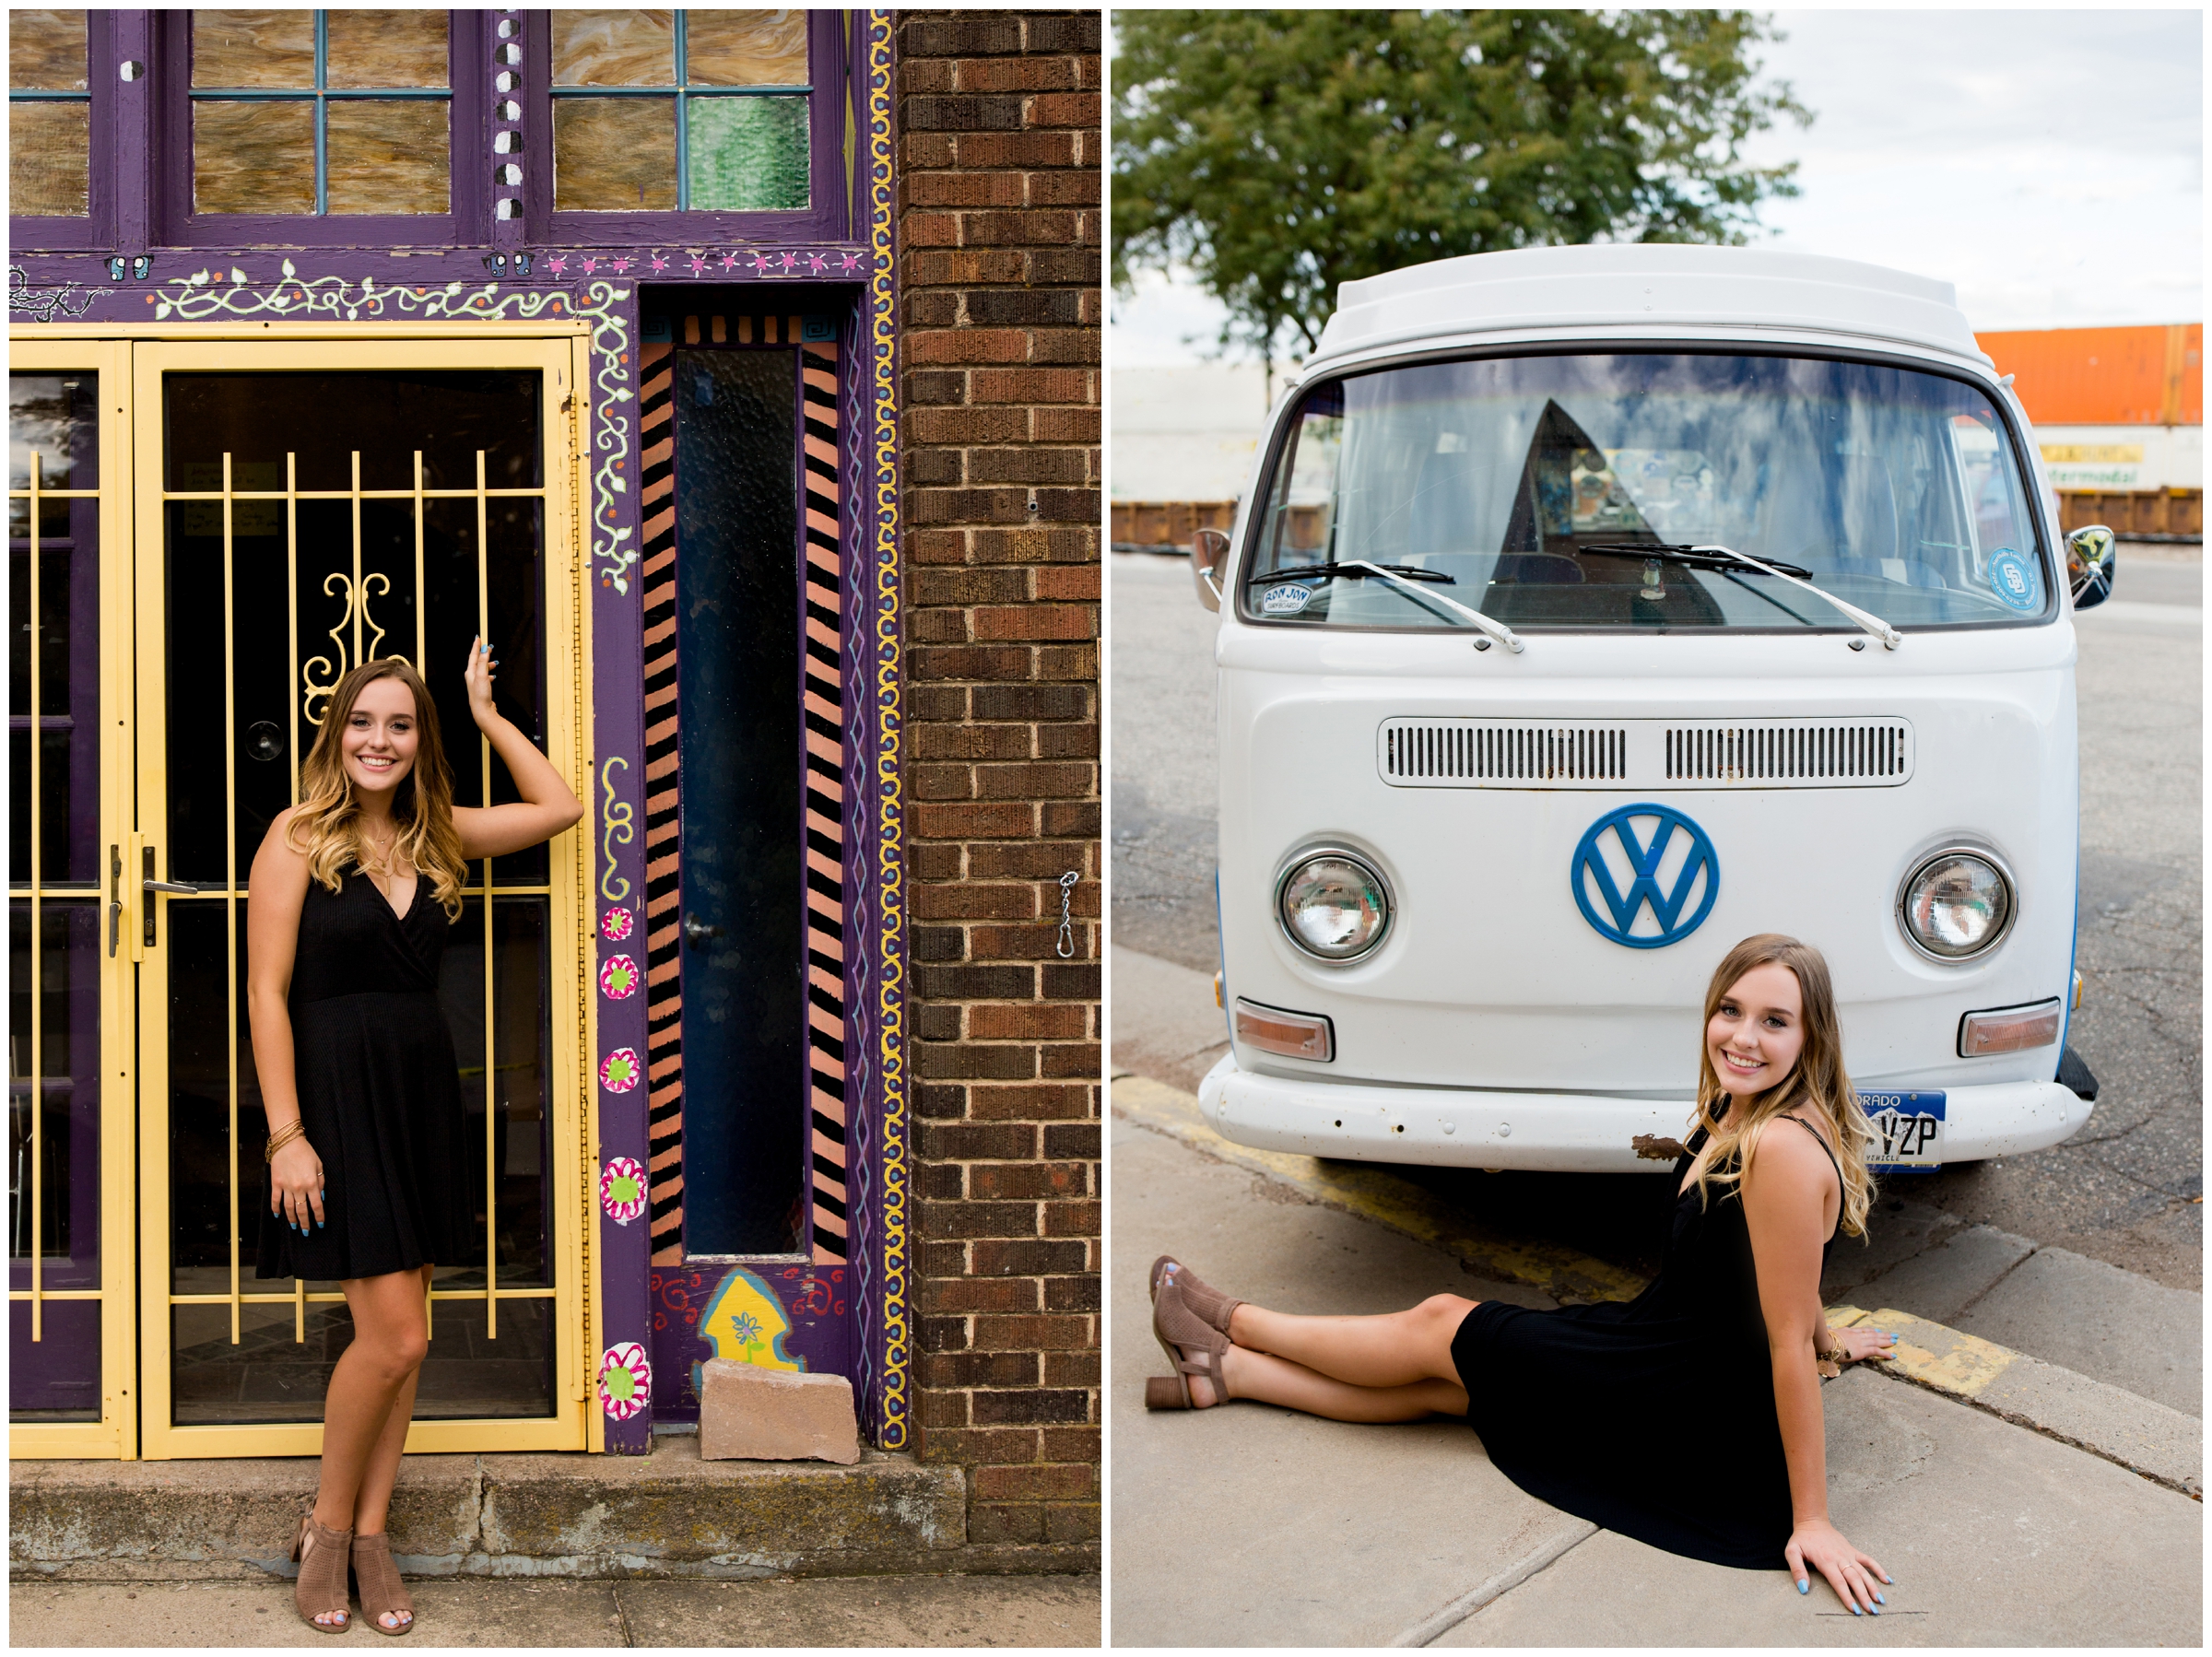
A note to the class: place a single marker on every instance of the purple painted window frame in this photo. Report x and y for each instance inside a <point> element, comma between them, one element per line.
<point>830,58</point>
<point>176,225</point>
<point>96,229</point>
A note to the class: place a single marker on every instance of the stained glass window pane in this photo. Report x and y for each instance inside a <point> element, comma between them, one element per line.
<point>615,153</point>
<point>614,49</point>
<point>254,48</point>
<point>378,49</point>
<point>48,146</point>
<point>389,158</point>
<point>746,48</point>
<point>253,158</point>
<point>749,152</point>
<point>46,51</point>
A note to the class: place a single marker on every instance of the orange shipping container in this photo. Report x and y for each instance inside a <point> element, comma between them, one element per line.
<point>2148,376</point>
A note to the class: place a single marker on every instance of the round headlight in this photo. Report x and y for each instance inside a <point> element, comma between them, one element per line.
<point>1333,906</point>
<point>1956,905</point>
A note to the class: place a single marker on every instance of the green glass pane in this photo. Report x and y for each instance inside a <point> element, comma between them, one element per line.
<point>747,152</point>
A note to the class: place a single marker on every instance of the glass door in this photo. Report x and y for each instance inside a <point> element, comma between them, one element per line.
<point>304,506</point>
<point>69,1061</point>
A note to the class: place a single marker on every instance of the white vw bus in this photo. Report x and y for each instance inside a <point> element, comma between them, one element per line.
<point>1591,608</point>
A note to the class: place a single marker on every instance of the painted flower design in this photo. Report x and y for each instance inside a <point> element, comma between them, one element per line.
<point>614,925</point>
<point>625,1380</point>
<point>619,979</point>
<point>747,1328</point>
<point>619,1070</point>
<point>622,1190</point>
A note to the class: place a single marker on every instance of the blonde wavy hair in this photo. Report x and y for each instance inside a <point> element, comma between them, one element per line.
<point>1817,1079</point>
<point>326,825</point>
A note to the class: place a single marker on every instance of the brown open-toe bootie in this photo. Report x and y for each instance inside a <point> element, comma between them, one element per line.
<point>1175,1326</point>
<point>382,1591</point>
<point>1209,1303</point>
<point>320,1553</point>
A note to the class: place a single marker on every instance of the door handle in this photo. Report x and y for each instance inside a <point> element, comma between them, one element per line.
<point>150,884</point>
<point>114,898</point>
<point>696,933</point>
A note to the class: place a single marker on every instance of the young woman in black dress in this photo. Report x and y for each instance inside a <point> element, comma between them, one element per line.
<point>1731,1331</point>
<point>352,893</point>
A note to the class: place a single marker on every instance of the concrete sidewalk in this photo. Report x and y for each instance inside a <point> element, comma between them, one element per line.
<point>1249,1526</point>
<point>864,1611</point>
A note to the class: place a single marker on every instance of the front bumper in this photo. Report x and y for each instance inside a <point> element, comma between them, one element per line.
<point>1558,1132</point>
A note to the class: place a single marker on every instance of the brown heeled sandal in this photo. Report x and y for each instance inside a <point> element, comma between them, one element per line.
<point>1175,1326</point>
<point>1209,1303</point>
<point>320,1552</point>
<point>382,1591</point>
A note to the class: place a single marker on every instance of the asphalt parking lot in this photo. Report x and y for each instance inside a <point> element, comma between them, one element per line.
<point>2127,1190</point>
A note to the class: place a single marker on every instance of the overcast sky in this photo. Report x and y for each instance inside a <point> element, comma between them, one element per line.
<point>2051,163</point>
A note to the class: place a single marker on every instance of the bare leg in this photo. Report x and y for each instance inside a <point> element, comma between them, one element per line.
<point>388,1344</point>
<point>1270,1380</point>
<point>1396,1349</point>
<point>373,1504</point>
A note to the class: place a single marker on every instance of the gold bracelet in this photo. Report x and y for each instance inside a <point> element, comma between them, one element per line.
<point>283,1137</point>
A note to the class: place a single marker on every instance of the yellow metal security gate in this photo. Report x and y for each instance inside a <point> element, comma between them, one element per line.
<point>296,506</point>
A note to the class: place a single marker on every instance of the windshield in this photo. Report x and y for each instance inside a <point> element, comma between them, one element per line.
<point>1567,492</point>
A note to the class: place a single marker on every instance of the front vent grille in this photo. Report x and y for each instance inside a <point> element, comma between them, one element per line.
<point>1645,754</point>
<point>1788,753</point>
<point>1504,753</point>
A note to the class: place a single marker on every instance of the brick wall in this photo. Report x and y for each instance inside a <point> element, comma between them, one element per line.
<point>999,269</point>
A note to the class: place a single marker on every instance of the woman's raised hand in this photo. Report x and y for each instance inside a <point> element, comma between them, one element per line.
<point>296,1186</point>
<point>478,676</point>
<point>1853,1574</point>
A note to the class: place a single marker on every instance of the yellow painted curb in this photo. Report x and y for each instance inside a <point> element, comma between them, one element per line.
<point>1939,1357</point>
<point>1373,1194</point>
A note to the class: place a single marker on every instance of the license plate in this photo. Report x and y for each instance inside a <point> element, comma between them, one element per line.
<point>1908,1129</point>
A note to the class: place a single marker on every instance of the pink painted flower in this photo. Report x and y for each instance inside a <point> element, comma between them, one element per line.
<point>698,265</point>
<point>614,925</point>
<point>625,1380</point>
<point>816,265</point>
<point>619,1070</point>
<point>791,262</point>
<point>617,265</point>
<point>556,265</point>
<point>729,262</point>
<point>762,265</point>
<point>619,978</point>
<point>590,265</point>
<point>659,264</point>
<point>848,262</point>
<point>622,1190</point>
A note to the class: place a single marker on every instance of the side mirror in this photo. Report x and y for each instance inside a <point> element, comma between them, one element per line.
<point>2089,565</point>
<point>1209,557</point>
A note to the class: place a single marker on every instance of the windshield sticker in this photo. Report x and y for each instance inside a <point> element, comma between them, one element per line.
<point>2012,578</point>
<point>1286,600</point>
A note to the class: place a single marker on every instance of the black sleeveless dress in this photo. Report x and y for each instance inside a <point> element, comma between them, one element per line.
<point>1588,1407</point>
<point>379,1090</point>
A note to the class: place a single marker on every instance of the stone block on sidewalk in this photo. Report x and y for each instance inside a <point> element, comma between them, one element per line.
<point>750,1413</point>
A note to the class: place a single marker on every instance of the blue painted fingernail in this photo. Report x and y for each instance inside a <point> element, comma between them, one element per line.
<point>1856,1612</point>
<point>1878,1600</point>
<point>1804,1586</point>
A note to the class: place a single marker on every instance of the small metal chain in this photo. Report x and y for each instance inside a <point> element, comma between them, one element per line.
<point>1067,926</point>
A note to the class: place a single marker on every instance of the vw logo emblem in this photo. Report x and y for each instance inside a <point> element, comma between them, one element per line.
<point>1670,868</point>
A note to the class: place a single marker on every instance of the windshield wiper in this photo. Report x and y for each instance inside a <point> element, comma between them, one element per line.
<point>1398,576</point>
<point>1356,567</point>
<point>1704,557</point>
<point>1717,554</point>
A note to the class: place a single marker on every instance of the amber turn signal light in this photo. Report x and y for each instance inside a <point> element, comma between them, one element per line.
<point>2008,1029</point>
<point>1299,1035</point>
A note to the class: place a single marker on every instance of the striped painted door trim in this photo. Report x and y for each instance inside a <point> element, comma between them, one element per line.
<point>825,792</point>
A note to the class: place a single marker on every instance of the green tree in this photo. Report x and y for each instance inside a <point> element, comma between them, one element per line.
<point>1277,154</point>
